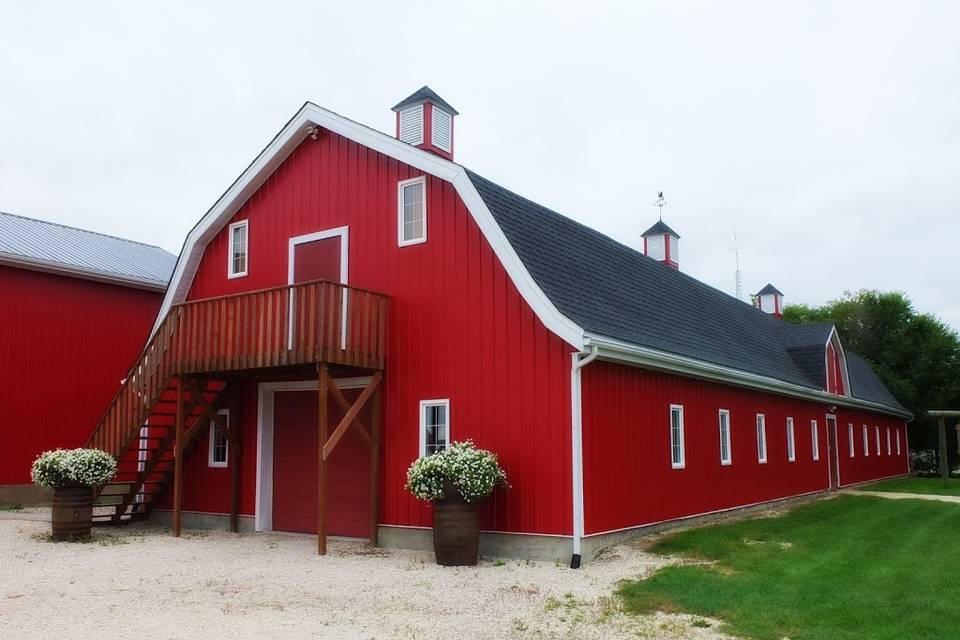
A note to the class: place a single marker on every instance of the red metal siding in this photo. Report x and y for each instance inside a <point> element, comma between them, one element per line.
<point>54,330</point>
<point>458,329</point>
<point>628,479</point>
<point>862,468</point>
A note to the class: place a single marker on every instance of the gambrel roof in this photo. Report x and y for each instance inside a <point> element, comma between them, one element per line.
<point>593,292</point>
<point>47,246</point>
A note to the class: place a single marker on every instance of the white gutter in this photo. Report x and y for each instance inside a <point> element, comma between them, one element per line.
<point>576,434</point>
<point>612,349</point>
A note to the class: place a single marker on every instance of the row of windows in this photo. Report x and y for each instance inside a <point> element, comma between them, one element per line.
<point>678,444</point>
<point>866,441</point>
<point>411,226</point>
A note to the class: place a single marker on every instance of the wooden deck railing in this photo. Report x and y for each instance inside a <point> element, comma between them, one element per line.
<point>317,321</point>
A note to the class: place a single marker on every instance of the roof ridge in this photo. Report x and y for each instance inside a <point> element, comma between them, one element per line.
<point>82,230</point>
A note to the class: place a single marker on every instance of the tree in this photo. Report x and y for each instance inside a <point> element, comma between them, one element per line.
<point>915,354</point>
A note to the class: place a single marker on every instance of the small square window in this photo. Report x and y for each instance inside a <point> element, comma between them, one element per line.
<point>434,426</point>
<point>219,443</point>
<point>412,211</point>
<point>237,254</point>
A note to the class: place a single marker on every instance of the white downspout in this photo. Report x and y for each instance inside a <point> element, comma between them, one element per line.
<point>576,434</point>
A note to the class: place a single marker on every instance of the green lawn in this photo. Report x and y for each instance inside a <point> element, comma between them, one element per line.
<point>851,567</point>
<point>918,485</point>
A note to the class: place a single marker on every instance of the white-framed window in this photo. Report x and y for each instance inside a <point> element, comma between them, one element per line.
<point>898,442</point>
<point>850,443</point>
<point>889,450</point>
<point>815,439</point>
<point>434,426</point>
<point>866,443</point>
<point>219,449</point>
<point>791,442</point>
<point>761,438</point>
<point>726,453</point>
<point>411,124</point>
<point>876,431</point>
<point>678,456</point>
<point>441,128</point>
<point>412,211</point>
<point>238,252</point>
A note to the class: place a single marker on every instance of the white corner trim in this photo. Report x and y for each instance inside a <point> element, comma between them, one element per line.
<point>292,134</point>
<point>441,402</point>
<point>263,509</point>
<point>231,274</point>
<point>401,241</point>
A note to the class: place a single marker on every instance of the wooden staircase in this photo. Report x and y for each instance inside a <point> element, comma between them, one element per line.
<point>180,377</point>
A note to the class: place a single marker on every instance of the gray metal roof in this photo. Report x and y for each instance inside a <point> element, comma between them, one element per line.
<point>612,290</point>
<point>47,246</point>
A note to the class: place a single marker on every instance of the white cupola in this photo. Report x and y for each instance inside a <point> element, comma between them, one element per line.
<point>425,120</point>
<point>769,300</point>
<point>662,243</point>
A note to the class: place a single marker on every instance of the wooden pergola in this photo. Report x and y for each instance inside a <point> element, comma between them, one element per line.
<point>941,417</point>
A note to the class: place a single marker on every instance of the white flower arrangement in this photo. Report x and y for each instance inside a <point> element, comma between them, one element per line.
<point>473,472</point>
<point>64,467</point>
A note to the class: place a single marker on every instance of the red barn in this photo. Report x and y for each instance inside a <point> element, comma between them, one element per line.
<point>355,300</point>
<point>75,308</point>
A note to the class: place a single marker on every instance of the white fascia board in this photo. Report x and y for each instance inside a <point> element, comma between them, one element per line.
<point>619,351</point>
<point>283,145</point>
<point>95,275</point>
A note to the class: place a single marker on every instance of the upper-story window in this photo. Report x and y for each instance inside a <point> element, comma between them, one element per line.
<point>791,442</point>
<point>219,448</point>
<point>726,455</point>
<point>434,426</point>
<point>761,438</point>
<point>678,455</point>
<point>412,211</point>
<point>237,254</point>
<point>815,439</point>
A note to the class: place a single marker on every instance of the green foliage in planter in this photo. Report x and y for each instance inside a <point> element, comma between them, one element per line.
<point>64,467</point>
<point>473,472</point>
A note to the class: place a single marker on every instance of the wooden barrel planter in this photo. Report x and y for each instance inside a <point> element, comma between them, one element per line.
<point>456,532</point>
<point>72,513</point>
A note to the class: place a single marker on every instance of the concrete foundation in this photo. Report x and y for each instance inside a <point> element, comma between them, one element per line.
<point>25,495</point>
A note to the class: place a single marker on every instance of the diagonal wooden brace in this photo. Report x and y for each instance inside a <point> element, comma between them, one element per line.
<point>352,413</point>
<point>344,405</point>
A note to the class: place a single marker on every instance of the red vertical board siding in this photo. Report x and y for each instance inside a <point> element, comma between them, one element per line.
<point>861,468</point>
<point>628,479</point>
<point>65,344</point>
<point>458,329</point>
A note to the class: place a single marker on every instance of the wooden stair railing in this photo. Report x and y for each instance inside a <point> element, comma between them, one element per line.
<point>304,323</point>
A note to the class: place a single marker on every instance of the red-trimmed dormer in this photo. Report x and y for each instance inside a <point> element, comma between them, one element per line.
<point>425,120</point>
<point>662,243</point>
<point>769,300</point>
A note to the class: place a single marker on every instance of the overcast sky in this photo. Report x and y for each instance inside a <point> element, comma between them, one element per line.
<point>826,134</point>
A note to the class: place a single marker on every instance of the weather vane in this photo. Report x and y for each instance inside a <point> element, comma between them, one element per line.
<point>660,202</point>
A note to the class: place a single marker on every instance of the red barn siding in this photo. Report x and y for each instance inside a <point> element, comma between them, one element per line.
<point>862,468</point>
<point>459,329</point>
<point>628,479</point>
<point>53,330</point>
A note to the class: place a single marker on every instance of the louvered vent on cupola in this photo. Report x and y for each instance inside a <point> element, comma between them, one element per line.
<point>425,120</point>
<point>662,243</point>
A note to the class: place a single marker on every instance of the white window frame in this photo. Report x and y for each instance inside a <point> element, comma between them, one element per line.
<point>898,442</point>
<point>433,128</point>
<point>791,442</point>
<point>851,444</point>
<point>876,431</point>
<point>682,449</point>
<point>889,449</point>
<point>866,442</point>
<point>761,438</point>
<point>723,424</point>
<point>403,184</point>
<point>231,274</point>
<point>815,438</point>
<point>424,404</point>
<point>216,464</point>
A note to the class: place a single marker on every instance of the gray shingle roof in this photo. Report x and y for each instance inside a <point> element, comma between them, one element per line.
<point>612,290</point>
<point>423,94</point>
<point>31,242</point>
<point>658,228</point>
<point>768,290</point>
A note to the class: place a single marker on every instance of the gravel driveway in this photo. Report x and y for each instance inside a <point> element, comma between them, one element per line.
<point>141,582</point>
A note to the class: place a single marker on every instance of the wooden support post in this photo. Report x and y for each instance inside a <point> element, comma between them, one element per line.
<point>178,461</point>
<point>944,462</point>
<point>233,435</point>
<point>322,393</point>
<point>376,412</point>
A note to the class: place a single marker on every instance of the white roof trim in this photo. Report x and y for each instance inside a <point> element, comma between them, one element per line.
<point>617,350</point>
<point>283,145</point>
<point>834,337</point>
<point>73,271</point>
